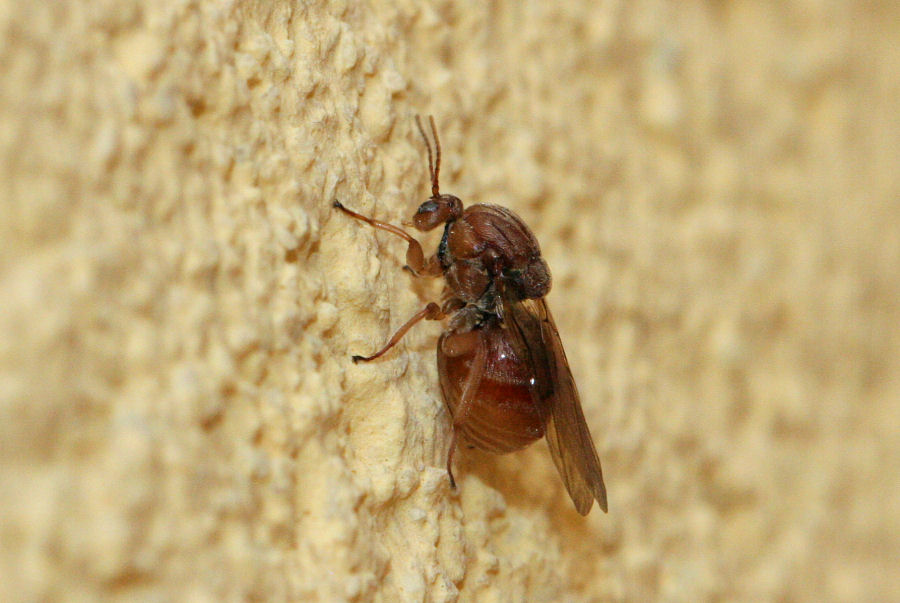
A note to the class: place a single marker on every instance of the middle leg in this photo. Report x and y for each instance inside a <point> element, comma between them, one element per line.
<point>430,312</point>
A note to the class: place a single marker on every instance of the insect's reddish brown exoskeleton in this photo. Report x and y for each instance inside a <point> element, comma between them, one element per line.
<point>504,375</point>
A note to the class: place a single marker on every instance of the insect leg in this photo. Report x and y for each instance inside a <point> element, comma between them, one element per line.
<point>430,312</point>
<point>473,380</point>
<point>450,457</point>
<point>432,267</point>
<point>415,257</point>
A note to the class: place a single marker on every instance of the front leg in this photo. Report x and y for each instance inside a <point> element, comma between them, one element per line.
<point>432,267</point>
<point>415,257</point>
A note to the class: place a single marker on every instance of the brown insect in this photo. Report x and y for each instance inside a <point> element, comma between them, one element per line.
<point>503,371</point>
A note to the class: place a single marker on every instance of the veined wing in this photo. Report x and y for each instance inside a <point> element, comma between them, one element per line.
<point>535,336</point>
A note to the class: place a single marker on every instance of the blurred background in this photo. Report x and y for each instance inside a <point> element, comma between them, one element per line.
<point>715,189</point>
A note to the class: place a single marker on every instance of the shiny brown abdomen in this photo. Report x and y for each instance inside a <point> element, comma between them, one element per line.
<point>502,416</point>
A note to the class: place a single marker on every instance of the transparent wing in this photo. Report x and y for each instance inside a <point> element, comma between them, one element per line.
<point>534,335</point>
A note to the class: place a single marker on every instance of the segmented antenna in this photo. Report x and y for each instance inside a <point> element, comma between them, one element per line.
<point>434,166</point>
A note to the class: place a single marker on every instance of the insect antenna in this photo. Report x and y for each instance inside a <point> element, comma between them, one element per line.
<point>434,166</point>
<point>437,159</point>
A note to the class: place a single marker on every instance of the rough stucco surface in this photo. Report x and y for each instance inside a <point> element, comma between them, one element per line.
<point>715,188</point>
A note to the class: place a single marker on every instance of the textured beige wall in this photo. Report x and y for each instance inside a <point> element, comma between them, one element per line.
<point>715,187</point>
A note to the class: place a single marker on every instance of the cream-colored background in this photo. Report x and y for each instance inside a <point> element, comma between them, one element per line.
<point>715,188</point>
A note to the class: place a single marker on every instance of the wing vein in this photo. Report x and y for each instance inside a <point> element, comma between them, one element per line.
<point>535,336</point>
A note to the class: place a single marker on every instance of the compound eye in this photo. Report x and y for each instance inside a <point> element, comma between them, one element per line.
<point>428,207</point>
<point>430,214</point>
